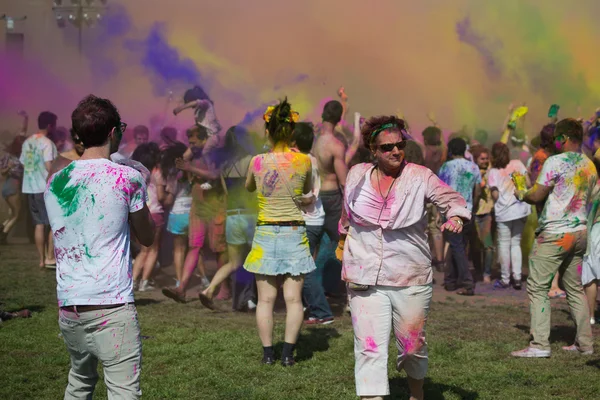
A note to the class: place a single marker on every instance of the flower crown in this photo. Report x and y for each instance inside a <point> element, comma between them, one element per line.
<point>293,117</point>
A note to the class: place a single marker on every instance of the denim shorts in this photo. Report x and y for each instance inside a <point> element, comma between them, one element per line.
<point>11,187</point>
<point>239,229</point>
<point>178,224</point>
<point>280,250</point>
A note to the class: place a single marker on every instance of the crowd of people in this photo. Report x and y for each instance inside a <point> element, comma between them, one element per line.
<point>395,210</point>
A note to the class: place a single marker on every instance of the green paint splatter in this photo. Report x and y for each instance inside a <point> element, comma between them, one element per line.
<point>101,218</point>
<point>67,196</point>
<point>87,251</point>
<point>543,309</point>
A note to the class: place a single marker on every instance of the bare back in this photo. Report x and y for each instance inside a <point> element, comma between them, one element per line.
<point>330,154</point>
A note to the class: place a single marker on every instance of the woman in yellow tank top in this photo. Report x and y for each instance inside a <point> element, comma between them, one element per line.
<point>280,249</point>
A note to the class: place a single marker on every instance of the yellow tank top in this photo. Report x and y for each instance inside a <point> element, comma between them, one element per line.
<point>275,202</point>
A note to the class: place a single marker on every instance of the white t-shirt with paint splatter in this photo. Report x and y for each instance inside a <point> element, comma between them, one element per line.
<point>572,177</point>
<point>37,150</point>
<point>88,205</point>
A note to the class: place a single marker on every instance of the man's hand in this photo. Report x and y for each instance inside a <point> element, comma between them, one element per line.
<point>454,224</point>
<point>520,194</point>
<point>177,110</point>
<point>182,165</point>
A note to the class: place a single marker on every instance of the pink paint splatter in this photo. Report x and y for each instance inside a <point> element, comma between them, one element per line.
<point>104,323</point>
<point>257,164</point>
<point>579,269</point>
<point>370,344</point>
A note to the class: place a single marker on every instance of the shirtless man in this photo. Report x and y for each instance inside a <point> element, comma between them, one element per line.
<point>330,153</point>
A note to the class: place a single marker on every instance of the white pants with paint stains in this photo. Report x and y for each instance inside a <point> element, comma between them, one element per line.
<point>374,313</point>
<point>111,336</point>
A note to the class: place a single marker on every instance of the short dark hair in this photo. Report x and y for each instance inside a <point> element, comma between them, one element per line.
<point>200,131</point>
<point>547,137</point>
<point>372,128</point>
<point>457,147</point>
<point>570,128</point>
<point>500,155</point>
<point>58,134</point>
<point>432,136</point>
<point>332,112</point>
<point>281,124</point>
<point>304,136</point>
<point>195,93</point>
<point>148,154</point>
<point>413,153</point>
<point>46,119</point>
<point>141,130</point>
<point>168,157</point>
<point>93,120</point>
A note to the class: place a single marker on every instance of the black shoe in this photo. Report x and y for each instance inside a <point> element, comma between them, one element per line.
<point>288,361</point>
<point>268,360</point>
<point>517,285</point>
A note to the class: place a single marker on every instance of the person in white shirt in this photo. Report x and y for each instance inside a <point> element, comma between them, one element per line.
<point>37,155</point>
<point>566,183</point>
<point>386,257</point>
<point>91,205</point>
<point>313,293</point>
<point>511,214</point>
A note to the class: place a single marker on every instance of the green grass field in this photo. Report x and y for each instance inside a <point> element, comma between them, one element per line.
<point>191,353</point>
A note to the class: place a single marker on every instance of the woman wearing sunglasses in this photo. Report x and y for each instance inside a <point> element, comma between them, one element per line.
<point>386,256</point>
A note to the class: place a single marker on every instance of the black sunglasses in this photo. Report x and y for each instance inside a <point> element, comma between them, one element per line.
<point>387,147</point>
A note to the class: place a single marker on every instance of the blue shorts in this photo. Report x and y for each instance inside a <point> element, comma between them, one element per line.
<point>239,229</point>
<point>11,187</point>
<point>280,250</point>
<point>178,224</point>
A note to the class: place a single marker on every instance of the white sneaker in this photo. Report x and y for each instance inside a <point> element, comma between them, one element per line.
<point>573,348</point>
<point>251,305</point>
<point>205,282</point>
<point>145,286</point>
<point>177,283</point>
<point>592,321</point>
<point>531,352</point>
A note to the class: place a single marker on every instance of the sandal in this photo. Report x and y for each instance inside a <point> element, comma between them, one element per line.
<point>206,302</point>
<point>174,294</point>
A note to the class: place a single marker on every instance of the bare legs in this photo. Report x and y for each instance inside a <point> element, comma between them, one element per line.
<point>591,293</point>
<point>191,260</point>
<point>146,260</point>
<point>179,247</point>
<point>14,208</point>
<point>237,254</point>
<point>292,294</point>
<point>267,293</point>
<point>416,388</point>
<point>50,259</point>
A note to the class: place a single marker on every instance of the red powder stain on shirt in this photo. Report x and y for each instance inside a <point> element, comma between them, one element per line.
<point>579,269</point>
